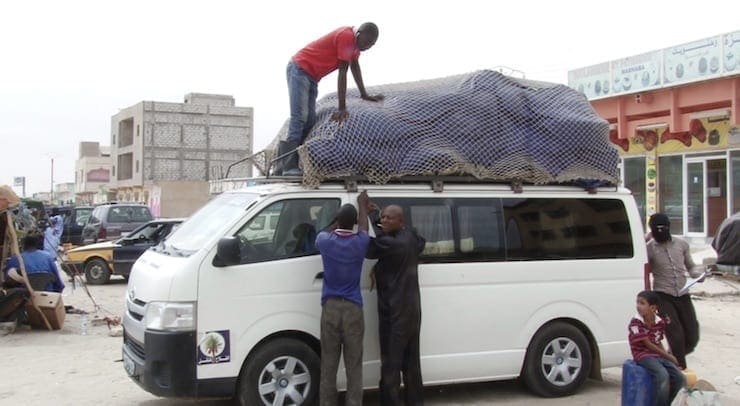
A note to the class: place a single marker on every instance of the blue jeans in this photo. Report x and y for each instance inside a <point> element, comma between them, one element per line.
<point>667,379</point>
<point>302,90</point>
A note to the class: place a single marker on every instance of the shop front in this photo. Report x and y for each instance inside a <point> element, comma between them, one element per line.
<point>674,120</point>
<point>695,181</point>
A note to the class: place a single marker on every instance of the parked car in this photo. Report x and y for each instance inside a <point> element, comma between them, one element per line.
<point>114,220</point>
<point>75,219</point>
<point>101,260</point>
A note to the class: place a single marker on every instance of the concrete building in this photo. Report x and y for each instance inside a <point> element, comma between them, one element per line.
<point>64,193</point>
<point>675,119</point>
<point>92,173</point>
<point>164,154</point>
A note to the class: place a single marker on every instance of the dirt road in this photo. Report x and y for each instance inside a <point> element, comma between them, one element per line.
<point>66,368</point>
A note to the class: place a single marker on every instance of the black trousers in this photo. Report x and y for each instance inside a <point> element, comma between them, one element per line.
<point>683,330</point>
<point>399,355</point>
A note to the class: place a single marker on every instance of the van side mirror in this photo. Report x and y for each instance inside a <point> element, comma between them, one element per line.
<point>228,252</point>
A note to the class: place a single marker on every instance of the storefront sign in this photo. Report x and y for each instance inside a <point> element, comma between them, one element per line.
<point>716,56</point>
<point>636,73</point>
<point>693,61</point>
<point>709,133</point>
<point>98,175</point>
<point>651,179</point>
<point>593,81</point>
<point>731,52</point>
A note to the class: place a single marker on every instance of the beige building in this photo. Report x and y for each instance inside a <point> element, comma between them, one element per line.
<point>64,193</point>
<point>92,173</point>
<point>164,154</point>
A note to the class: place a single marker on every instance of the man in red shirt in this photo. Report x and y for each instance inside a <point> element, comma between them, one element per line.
<point>340,49</point>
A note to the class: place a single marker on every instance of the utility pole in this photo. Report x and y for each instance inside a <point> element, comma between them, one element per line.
<point>51,194</point>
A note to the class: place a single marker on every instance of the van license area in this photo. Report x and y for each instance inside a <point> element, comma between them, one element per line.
<point>128,365</point>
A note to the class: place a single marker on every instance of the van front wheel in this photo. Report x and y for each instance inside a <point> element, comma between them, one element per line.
<point>558,360</point>
<point>282,372</point>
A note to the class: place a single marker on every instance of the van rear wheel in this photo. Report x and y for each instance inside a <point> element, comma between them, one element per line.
<point>558,360</point>
<point>281,372</point>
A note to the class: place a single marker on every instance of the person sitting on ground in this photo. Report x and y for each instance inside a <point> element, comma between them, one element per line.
<point>36,262</point>
<point>340,49</point>
<point>646,331</point>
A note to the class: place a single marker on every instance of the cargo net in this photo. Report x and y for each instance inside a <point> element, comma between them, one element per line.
<point>481,124</point>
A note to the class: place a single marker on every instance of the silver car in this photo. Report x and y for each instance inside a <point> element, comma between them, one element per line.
<point>114,220</point>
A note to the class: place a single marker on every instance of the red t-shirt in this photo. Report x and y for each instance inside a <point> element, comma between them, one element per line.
<point>639,331</point>
<point>322,56</point>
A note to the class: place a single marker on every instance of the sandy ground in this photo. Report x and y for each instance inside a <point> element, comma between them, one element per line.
<point>66,368</point>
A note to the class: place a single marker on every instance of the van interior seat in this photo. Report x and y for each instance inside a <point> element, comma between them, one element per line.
<point>305,238</point>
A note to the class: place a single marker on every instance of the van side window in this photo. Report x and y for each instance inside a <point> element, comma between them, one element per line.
<point>286,229</point>
<point>542,229</point>
<point>481,230</point>
<point>432,219</point>
<point>434,223</point>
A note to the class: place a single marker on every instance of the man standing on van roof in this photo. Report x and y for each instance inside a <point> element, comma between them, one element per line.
<point>342,321</point>
<point>340,49</point>
<point>397,249</point>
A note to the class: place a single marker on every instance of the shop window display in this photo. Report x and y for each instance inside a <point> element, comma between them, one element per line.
<point>670,174</point>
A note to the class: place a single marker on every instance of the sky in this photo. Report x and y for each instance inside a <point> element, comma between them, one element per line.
<point>67,66</point>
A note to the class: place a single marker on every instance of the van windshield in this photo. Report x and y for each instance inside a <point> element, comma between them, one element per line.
<point>206,222</point>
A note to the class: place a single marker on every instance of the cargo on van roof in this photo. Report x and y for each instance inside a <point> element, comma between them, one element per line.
<point>482,124</point>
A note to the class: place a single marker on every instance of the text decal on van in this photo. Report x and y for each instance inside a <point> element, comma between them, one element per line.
<point>214,348</point>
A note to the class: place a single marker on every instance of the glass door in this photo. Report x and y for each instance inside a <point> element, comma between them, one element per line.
<point>695,197</point>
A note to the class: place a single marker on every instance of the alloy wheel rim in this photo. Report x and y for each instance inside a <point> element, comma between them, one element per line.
<point>561,361</point>
<point>284,381</point>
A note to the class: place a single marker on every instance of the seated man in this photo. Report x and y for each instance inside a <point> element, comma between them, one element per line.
<point>36,262</point>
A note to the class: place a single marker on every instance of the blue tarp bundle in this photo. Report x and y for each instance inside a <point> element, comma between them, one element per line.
<point>482,124</point>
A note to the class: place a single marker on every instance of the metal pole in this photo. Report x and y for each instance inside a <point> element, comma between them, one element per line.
<point>51,194</point>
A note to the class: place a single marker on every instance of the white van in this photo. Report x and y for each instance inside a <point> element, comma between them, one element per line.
<point>537,283</point>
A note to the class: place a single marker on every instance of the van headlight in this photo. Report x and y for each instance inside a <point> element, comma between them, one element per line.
<point>170,316</point>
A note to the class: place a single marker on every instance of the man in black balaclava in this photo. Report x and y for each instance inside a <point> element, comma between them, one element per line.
<point>670,260</point>
<point>660,227</point>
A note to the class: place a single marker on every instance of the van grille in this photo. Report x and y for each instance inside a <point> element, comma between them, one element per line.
<point>135,347</point>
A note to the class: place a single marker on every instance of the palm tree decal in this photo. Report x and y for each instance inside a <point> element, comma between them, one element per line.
<point>212,344</point>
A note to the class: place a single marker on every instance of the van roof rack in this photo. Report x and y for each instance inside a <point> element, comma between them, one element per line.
<point>352,182</point>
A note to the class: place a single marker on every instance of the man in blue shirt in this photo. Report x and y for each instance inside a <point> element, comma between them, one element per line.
<point>35,261</point>
<point>342,321</point>
<point>53,236</point>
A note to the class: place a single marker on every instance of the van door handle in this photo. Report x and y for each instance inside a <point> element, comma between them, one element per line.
<point>319,275</point>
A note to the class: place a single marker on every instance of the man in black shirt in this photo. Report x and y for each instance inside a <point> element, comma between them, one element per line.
<point>397,249</point>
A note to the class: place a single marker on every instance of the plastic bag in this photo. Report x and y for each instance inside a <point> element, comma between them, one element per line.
<point>696,397</point>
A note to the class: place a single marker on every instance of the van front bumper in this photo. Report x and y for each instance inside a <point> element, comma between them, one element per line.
<point>165,365</point>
